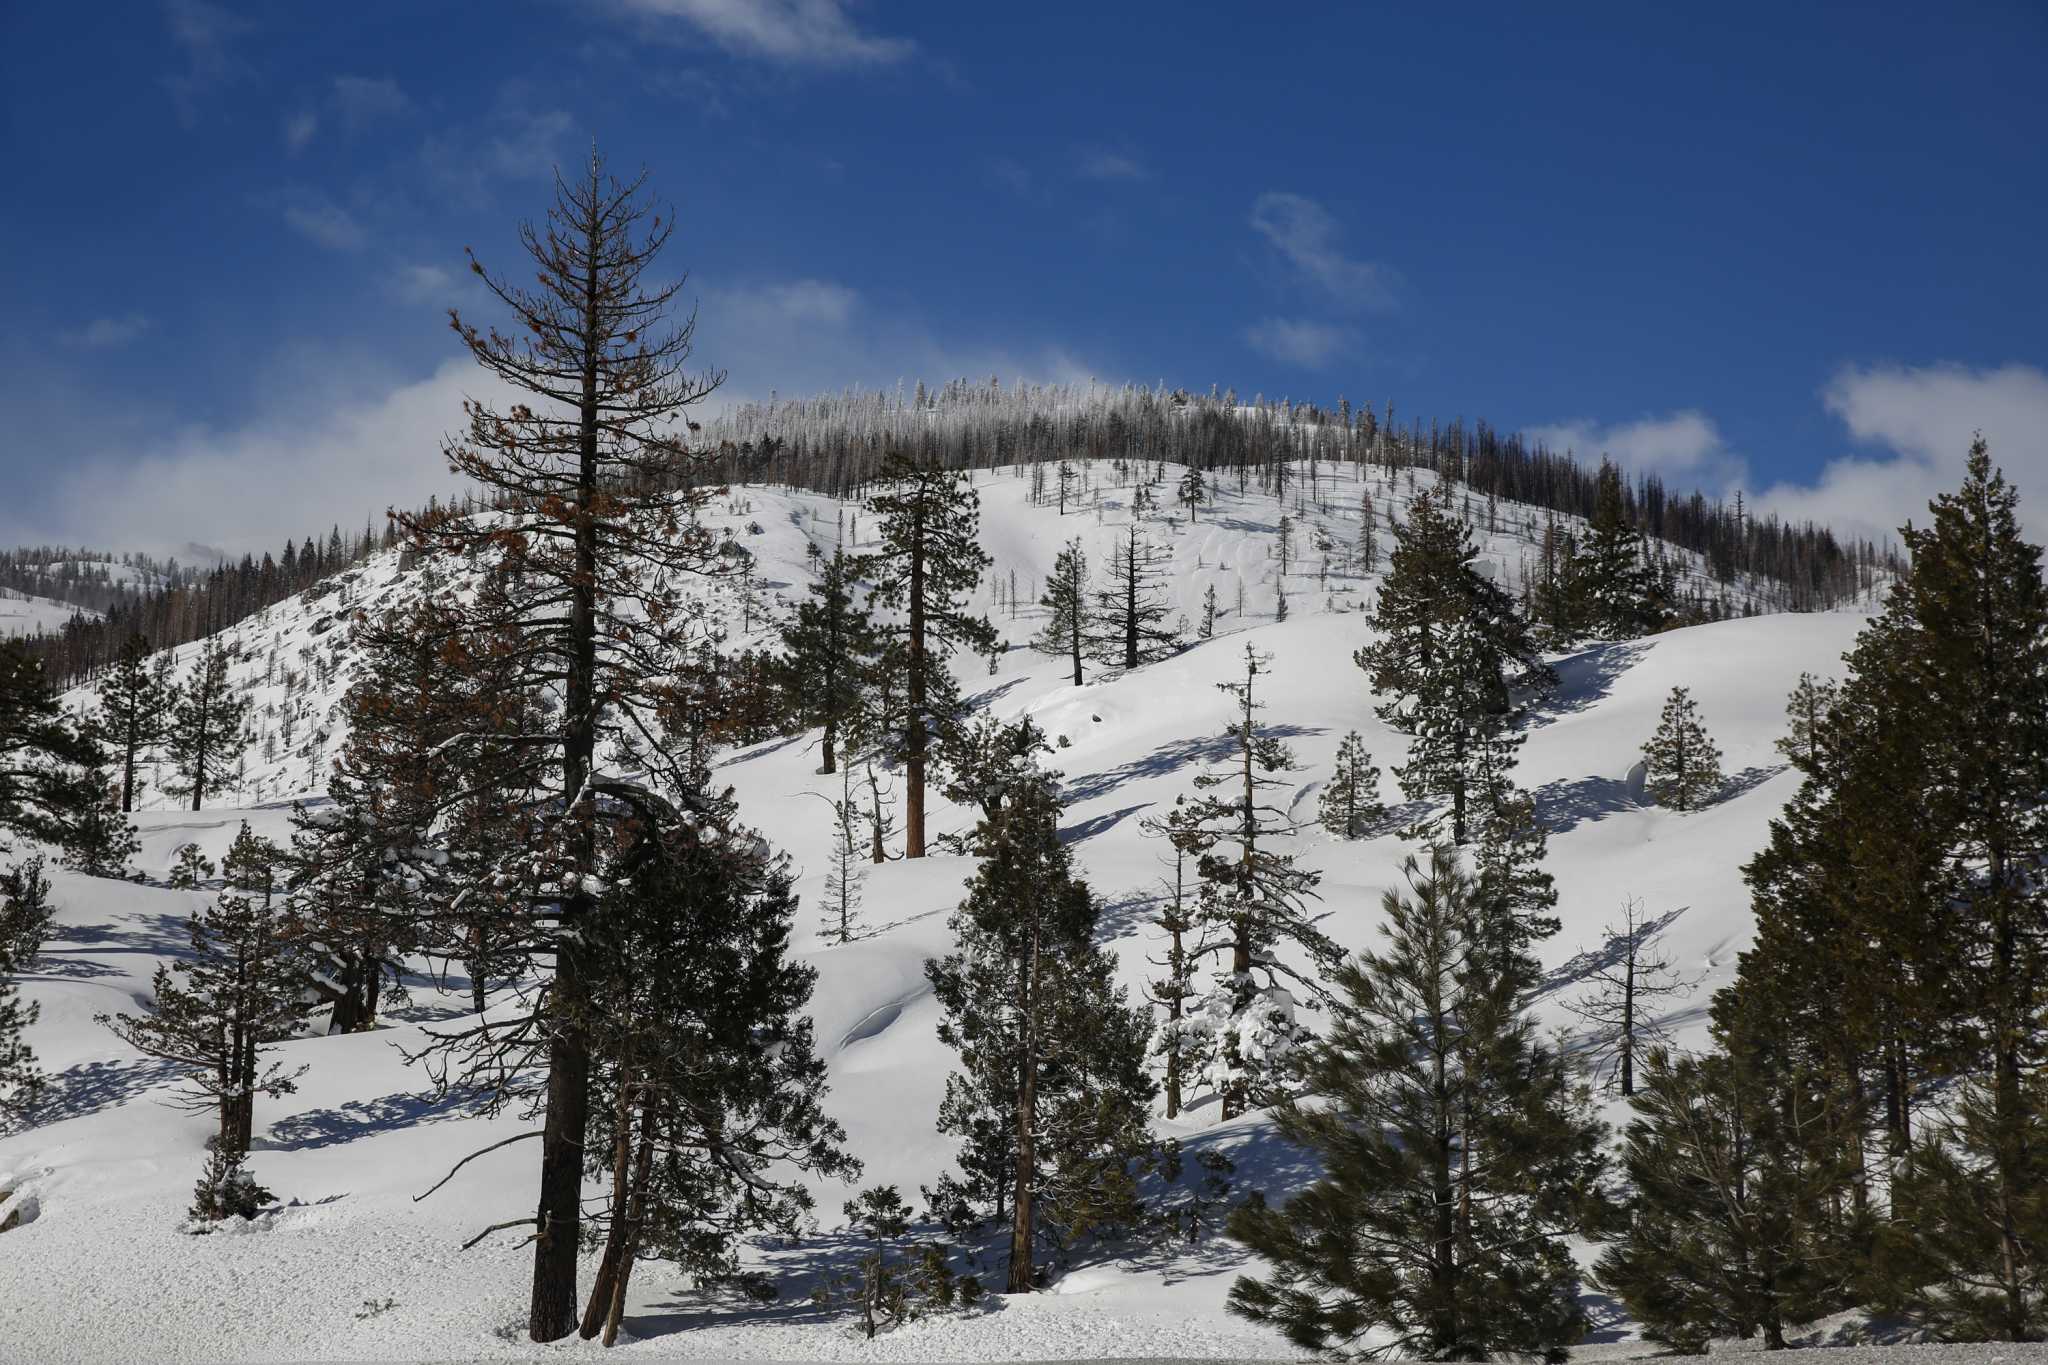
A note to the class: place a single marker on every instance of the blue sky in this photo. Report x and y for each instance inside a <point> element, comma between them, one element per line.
<point>1799,254</point>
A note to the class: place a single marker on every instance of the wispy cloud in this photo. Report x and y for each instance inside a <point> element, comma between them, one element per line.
<point>817,33</point>
<point>106,334</point>
<point>1684,446</point>
<point>361,100</point>
<point>1099,164</point>
<point>1010,174</point>
<point>515,142</point>
<point>323,222</point>
<point>1299,341</point>
<point>1305,235</point>
<point>202,32</point>
<point>299,130</point>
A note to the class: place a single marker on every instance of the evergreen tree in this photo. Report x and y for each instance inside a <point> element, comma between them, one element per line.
<point>221,1012</point>
<point>581,596</point>
<point>1193,492</point>
<point>1066,603</point>
<point>206,736</point>
<point>843,872</point>
<point>25,913</point>
<point>1731,1179</point>
<point>1069,480</point>
<point>1127,628</point>
<point>1451,650</point>
<point>1683,764</point>
<point>1051,1096</point>
<point>1207,629</point>
<point>1252,911</point>
<point>99,841</point>
<point>190,868</point>
<point>133,711</point>
<point>894,1281</point>
<point>710,1116</point>
<point>1350,802</point>
<point>227,1189</point>
<point>1612,580</point>
<point>1458,1159</point>
<point>831,649</point>
<point>929,562</point>
<point>1181,1049</point>
<point>48,769</point>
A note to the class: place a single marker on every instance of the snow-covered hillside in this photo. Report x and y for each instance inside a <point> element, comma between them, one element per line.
<point>105,1171</point>
<point>23,613</point>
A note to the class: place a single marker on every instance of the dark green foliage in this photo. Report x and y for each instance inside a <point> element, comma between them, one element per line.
<point>895,1280</point>
<point>1457,1155</point>
<point>1350,804</point>
<point>1738,1219</point>
<point>220,1013</point>
<point>190,868</point>
<point>99,840</point>
<point>1192,492</point>
<point>930,561</point>
<point>1684,766</point>
<point>1253,902</point>
<point>1065,633</point>
<point>1052,1094</point>
<point>206,735</point>
<point>709,1091</point>
<point>227,1189</point>
<point>48,768</point>
<point>24,922</point>
<point>1450,651</point>
<point>134,711</point>
<point>830,652</point>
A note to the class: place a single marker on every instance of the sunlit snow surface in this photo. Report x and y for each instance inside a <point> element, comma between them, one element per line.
<point>102,1271</point>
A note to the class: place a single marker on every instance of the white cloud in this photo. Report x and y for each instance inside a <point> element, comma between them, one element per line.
<point>1923,419</point>
<point>1298,341</point>
<point>1303,231</point>
<point>323,223</point>
<point>335,436</point>
<point>1685,448</point>
<point>362,101</point>
<point>800,32</point>
<point>424,284</point>
<point>299,130</point>
<point>106,334</point>
<point>1011,175</point>
<point>1105,165</point>
<point>202,32</point>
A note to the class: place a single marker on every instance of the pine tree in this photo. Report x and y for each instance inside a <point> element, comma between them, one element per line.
<point>191,868</point>
<point>1731,1180</point>
<point>1683,764</point>
<point>1368,536</point>
<point>227,1189</point>
<point>1182,1049</point>
<point>1626,978</point>
<point>99,841</point>
<point>710,1120</point>
<point>1126,629</point>
<point>1253,901</point>
<point>1069,480</point>
<point>219,1013</point>
<point>1066,603</point>
<point>1458,1157</point>
<point>206,736</point>
<point>843,872</point>
<point>1052,1094</point>
<point>831,649</point>
<point>929,562</point>
<point>1193,492</point>
<point>1612,580</point>
<point>1450,653</point>
<point>133,711</point>
<point>1350,803</point>
<point>895,1281</point>
<point>1208,627</point>
<point>25,913</point>
<point>581,594</point>
<point>49,769</point>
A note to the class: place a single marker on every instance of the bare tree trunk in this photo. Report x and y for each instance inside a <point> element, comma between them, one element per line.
<point>915,737</point>
<point>1021,1232</point>
<point>595,1312</point>
<point>643,1171</point>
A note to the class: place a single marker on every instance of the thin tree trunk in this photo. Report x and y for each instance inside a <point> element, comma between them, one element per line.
<point>1027,1152</point>
<point>915,737</point>
<point>599,1307</point>
<point>643,1171</point>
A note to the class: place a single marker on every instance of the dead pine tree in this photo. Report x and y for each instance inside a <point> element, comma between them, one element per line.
<point>1626,981</point>
<point>583,565</point>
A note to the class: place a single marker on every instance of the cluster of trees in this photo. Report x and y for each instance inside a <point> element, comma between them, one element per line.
<point>1867,1128</point>
<point>1120,625</point>
<point>171,606</point>
<point>835,443</point>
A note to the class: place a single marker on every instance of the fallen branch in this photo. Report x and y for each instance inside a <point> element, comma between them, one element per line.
<point>500,1227</point>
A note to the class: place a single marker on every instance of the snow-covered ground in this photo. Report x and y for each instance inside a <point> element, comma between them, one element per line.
<point>24,613</point>
<point>103,1273</point>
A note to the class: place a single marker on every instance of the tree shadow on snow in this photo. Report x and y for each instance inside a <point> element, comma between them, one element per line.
<point>366,1118</point>
<point>1099,824</point>
<point>89,1087</point>
<point>1170,758</point>
<point>1608,956</point>
<point>1585,678</point>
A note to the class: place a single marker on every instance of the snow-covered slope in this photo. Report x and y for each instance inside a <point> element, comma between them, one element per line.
<point>24,613</point>
<point>102,1273</point>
